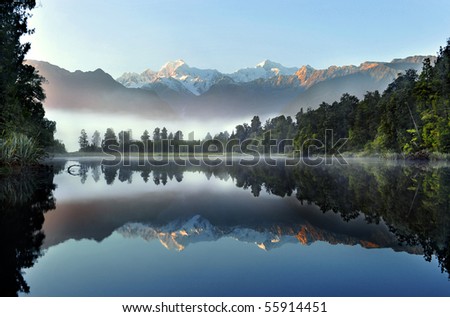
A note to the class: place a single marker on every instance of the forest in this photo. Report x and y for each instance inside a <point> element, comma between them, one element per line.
<point>25,134</point>
<point>411,116</point>
<point>410,119</point>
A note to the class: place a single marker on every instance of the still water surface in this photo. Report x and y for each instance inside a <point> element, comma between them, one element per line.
<point>366,229</point>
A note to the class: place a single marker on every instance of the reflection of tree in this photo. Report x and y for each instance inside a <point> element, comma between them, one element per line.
<point>24,199</point>
<point>84,169</point>
<point>110,174</point>
<point>426,221</point>
<point>413,200</point>
<point>125,175</point>
<point>276,179</point>
<point>145,175</point>
<point>96,172</point>
<point>58,166</point>
<point>161,175</point>
<point>156,178</point>
<point>163,178</point>
<point>178,176</point>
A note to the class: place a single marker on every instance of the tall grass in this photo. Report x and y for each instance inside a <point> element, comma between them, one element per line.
<point>19,149</point>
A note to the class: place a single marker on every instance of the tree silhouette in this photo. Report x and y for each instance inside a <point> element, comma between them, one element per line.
<point>21,92</point>
<point>164,135</point>
<point>83,141</point>
<point>96,140</point>
<point>110,141</point>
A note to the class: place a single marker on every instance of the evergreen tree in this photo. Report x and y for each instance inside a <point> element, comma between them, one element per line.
<point>125,140</point>
<point>21,93</point>
<point>110,140</point>
<point>96,140</point>
<point>83,141</point>
<point>255,125</point>
<point>365,121</point>
<point>164,133</point>
<point>145,136</point>
<point>433,94</point>
<point>156,135</point>
<point>399,115</point>
<point>207,137</point>
<point>178,136</point>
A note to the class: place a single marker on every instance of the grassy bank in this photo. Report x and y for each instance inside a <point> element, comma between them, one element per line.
<point>18,151</point>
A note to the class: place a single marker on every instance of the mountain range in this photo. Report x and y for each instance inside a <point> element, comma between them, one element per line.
<point>179,234</point>
<point>97,91</point>
<point>178,91</point>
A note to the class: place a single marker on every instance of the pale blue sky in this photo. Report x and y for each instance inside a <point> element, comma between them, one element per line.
<point>134,35</point>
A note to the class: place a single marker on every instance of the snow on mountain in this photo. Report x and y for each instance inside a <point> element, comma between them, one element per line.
<point>177,75</point>
<point>264,70</point>
<point>178,234</point>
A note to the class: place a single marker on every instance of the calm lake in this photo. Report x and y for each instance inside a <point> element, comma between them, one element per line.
<point>370,228</point>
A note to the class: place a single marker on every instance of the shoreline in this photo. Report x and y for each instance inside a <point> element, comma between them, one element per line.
<point>431,157</point>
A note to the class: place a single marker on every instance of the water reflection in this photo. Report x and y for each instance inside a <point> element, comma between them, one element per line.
<point>24,198</point>
<point>403,207</point>
<point>410,202</point>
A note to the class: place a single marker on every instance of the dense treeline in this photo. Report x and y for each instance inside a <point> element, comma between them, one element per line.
<point>24,131</point>
<point>161,140</point>
<point>256,135</point>
<point>123,142</point>
<point>410,117</point>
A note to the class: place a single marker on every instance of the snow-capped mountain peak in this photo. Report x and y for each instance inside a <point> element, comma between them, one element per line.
<point>169,69</point>
<point>264,70</point>
<point>177,75</point>
<point>268,64</point>
<point>276,68</point>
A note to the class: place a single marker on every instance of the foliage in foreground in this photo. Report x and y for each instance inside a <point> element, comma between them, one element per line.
<point>19,149</point>
<point>24,130</point>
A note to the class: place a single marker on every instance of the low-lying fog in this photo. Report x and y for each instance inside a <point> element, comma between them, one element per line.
<point>70,123</point>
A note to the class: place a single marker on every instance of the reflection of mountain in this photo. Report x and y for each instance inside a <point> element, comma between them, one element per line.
<point>177,235</point>
<point>97,219</point>
<point>372,205</point>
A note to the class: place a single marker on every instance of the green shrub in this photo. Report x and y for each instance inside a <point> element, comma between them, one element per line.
<point>19,149</point>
